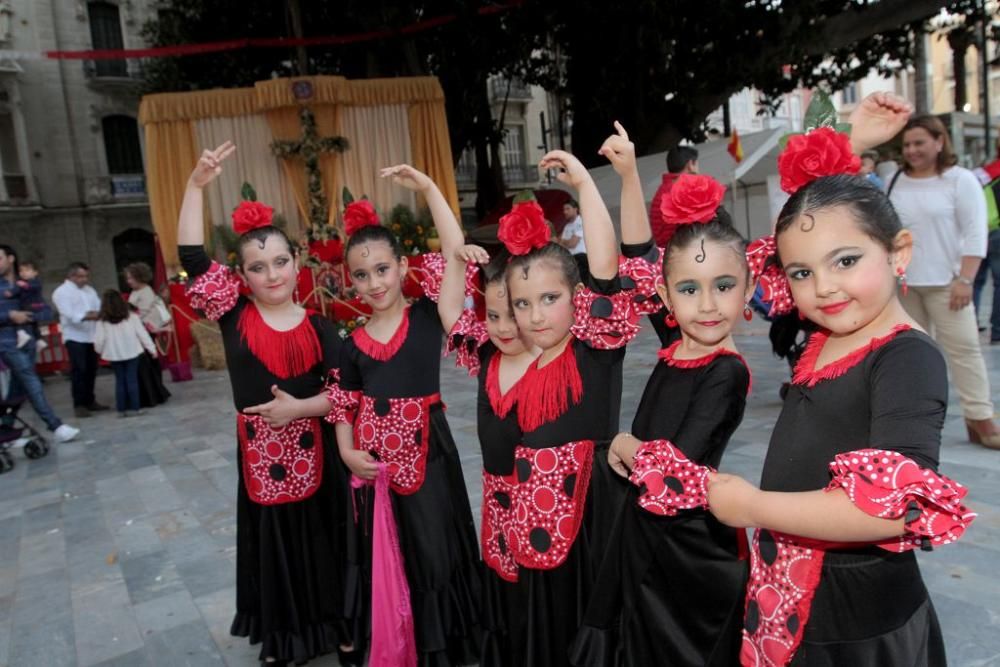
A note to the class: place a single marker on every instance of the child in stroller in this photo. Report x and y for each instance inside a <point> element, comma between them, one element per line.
<point>15,432</point>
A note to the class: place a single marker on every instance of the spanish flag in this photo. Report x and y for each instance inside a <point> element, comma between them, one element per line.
<point>735,148</point>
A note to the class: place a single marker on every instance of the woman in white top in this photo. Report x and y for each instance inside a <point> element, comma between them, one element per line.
<point>153,313</point>
<point>121,338</point>
<point>156,317</point>
<point>944,207</point>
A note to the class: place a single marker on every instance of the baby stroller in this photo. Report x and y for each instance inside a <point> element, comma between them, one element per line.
<point>14,431</point>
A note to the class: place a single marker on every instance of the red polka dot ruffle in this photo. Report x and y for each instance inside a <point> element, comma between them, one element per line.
<point>214,292</point>
<point>668,480</point>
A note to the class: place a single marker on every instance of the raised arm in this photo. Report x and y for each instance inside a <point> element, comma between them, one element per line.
<point>190,227</point>
<point>452,300</point>
<point>634,218</point>
<point>448,229</point>
<point>598,232</point>
<point>877,119</point>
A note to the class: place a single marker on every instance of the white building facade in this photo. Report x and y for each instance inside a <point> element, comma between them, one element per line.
<point>70,146</point>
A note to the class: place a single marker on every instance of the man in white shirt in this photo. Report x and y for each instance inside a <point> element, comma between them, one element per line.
<point>572,236</point>
<point>78,306</point>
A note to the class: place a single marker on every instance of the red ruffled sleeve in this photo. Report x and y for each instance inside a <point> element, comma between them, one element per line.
<point>214,292</point>
<point>465,339</point>
<point>639,277</point>
<point>604,321</point>
<point>432,273</point>
<point>343,403</point>
<point>888,485</point>
<point>668,481</point>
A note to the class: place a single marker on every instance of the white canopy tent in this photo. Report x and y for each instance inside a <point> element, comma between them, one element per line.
<point>753,197</point>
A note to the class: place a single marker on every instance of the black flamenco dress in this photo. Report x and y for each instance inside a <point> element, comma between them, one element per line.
<point>670,590</point>
<point>870,424</point>
<point>389,392</point>
<point>499,434</point>
<point>565,495</point>
<point>296,558</point>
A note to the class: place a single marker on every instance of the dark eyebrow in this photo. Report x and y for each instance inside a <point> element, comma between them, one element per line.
<point>827,257</point>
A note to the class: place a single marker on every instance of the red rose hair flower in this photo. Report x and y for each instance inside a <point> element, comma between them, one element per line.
<point>359,214</point>
<point>693,198</point>
<point>250,215</point>
<point>524,229</point>
<point>820,152</point>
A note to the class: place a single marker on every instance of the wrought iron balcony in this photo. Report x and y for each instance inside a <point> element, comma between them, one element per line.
<point>114,189</point>
<point>519,91</point>
<point>115,72</point>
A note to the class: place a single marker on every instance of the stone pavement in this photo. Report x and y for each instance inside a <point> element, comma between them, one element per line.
<point>119,549</point>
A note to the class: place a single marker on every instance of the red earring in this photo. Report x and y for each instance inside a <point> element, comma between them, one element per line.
<point>747,313</point>
<point>670,319</point>
<point>901,280</point>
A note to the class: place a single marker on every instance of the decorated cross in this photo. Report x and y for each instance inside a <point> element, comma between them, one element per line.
<point>309,147</point>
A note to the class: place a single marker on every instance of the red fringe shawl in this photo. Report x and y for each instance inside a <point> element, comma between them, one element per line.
<point>284,353</point>
<point>546,393</point>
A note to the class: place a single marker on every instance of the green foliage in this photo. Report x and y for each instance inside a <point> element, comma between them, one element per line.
<point>523,196</point>
<point>247,192</point>
<point>412,229</point>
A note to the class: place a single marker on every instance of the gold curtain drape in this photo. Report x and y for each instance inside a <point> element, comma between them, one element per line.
<point>171,153</point>
<point>172,150</point>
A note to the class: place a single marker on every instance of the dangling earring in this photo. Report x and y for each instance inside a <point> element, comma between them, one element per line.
<point>901,281</point>
<point>670,319</point>
<point>747,313</point>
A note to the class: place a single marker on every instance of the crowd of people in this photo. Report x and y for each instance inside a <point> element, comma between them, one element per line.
<point>92,328</point>
<point>600,547</point>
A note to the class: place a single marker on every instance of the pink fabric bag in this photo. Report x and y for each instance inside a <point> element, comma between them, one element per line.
<point>393,640</point>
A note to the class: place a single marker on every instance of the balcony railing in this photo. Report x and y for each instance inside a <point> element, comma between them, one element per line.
<point>519,91</point>
<point>117,188</point>
<point>114,71</point>
<point>520,174</point>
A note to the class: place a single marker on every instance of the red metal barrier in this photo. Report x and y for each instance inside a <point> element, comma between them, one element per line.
<point>54,358</point>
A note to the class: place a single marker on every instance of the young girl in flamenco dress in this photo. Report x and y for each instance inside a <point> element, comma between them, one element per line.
<point>493,349</point>
<point>671,585</point>
<point>293,511</point>
<point>567,412</point>
<point>388,411</point>
<point>850,484</point>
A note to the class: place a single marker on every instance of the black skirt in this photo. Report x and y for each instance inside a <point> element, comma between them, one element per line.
<point>437,538</point>
<point>500,603</point>
<point>152,391</point>
<point>296,569</point>
<point>871,609</point>
<point>669,592</point>
<point>552,603</point>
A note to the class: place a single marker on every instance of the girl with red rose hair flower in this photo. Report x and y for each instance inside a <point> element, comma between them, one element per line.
<point>294,528</point>
<point>850,484</point>
<point>670,588</point>
<point>388,411</point>
<point>560,493</point>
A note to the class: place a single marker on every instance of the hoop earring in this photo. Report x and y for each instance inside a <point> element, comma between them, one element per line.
<point>747,313</point>
<point>901,281</point>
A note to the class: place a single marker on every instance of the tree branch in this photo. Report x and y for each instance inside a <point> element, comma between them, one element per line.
<point>851,26</point>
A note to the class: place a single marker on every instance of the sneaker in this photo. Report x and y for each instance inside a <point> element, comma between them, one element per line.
<point>65,433</point>
<point>123,415</point>
<point>81,412</point>
<point>97,407</point>
<point>139,413</point>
